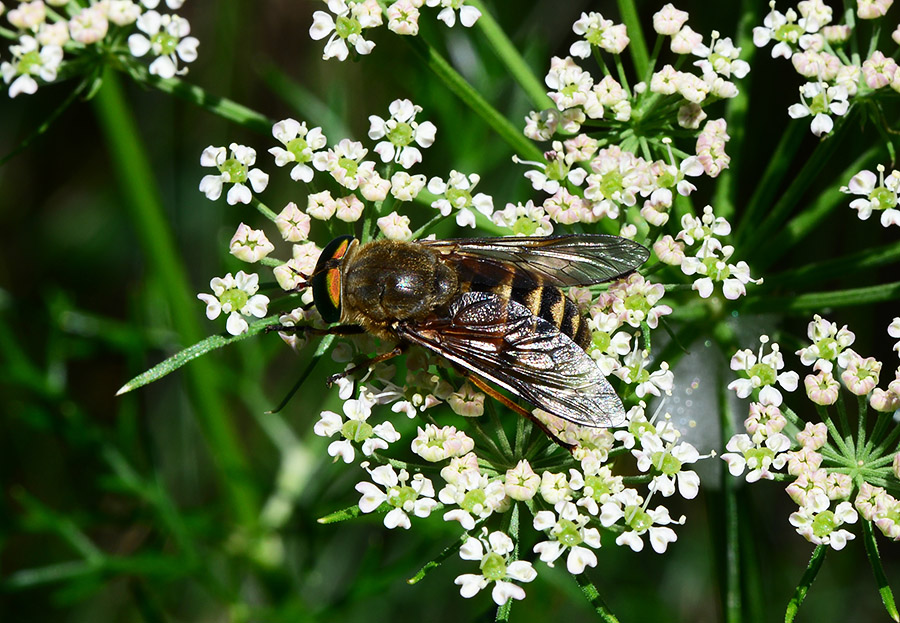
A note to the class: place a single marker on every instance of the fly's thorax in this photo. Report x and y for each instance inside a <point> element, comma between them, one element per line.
<point>388,281</point>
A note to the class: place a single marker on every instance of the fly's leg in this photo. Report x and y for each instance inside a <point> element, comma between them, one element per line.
<point>366,365</point>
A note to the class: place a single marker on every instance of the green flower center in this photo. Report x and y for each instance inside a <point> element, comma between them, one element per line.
<point>401,135</point>
<point>818,104</point>
<point>235,170</point>
<point>666,463</point>
<point>458,197</point>
<point>757,457</point>
<point>828,348</point>
<point>594,36</point>
<point>474,500</point>
<point>637,302</point>
<point>234,300</point>
<point>348,165</point>
<point>29,63</point>
<point>525,226</point>
<point>493,567</point>
<point>556,170</point>
<point>667,179</point>
<point>164,42</point>
<point>345,26</point>
<point>610,183</point>
<point>569,534</point>
<point>765,373</point>
<point>788,32</point>
<point>639,428</point>
<point>824,524</point>
<point>601,340</point>
<point>716,269</point>
<point>638,519</point>
<point>297,147</point>
<point>357,431</point>
<point>598,486</point>
<point>399,497</point>
<point>883,198</point>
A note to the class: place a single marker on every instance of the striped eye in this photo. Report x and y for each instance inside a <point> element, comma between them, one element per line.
<point>326,282</point>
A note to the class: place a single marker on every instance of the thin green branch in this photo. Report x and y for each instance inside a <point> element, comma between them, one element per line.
<point>809,576</point>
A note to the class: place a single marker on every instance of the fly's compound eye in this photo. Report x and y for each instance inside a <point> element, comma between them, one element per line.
<point>326,280</point>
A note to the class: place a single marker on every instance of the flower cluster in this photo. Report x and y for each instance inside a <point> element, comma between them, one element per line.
<point>51,31</point>
<point>822,52</point>
<point>345,22</point>
<point>836,472</point>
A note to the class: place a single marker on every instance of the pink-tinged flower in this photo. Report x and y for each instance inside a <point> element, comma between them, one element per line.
<point>407,496</point>
<point>570,84</point>
<point>467,402</point>
<point>821,388</point>
<point>861,375</point>
<point>887,517</point>
<point>879,70</point>
<point>90,25</point>
<point>821,526</point>
<point>872,9</point>
<point>838,486</point>
<point>348,209</point>
<point>293,223</point>
<point>813,436</point>
<point>669,251</point>
<point>28,15</point>
<point>437,444</point>
<point>635,300</point>
<point>869,499</point>
<point>250,245</point>
<point>494,554</point>
<point>521,482</point>
<point>764,421</point>
<point>762,373</point>
<point>803,461</point>
<point>394,226</point>
<point>685,41</point>
<point>403,17</point>
<point>669,20</point>
<point>894,332</point>
<point>294,273</point>
<point>760,459</point>
<point>809,490</point>
<point>711,147</point>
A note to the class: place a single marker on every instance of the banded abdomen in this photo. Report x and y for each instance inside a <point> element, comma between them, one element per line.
<point>543,300</point>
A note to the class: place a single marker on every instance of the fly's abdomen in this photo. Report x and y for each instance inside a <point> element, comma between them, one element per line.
<point>547,302</point>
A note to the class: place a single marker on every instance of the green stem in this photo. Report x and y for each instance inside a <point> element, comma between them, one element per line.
<point>859,263</point>
<point>732,515</point>
<point>130,164</point>
<point>220,106</point>
<point>838,439</point>
<point>861,414</point>
<point>817,301</point>
<point>884,588</point>
<point>815,564</point>
<point>593,596</point>
<point>474,100</point>
<point>637,46</point>
<point>509,56</point>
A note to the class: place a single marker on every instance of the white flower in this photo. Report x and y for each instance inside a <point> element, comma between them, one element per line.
<point>819,525</point>
<point>521,482</point>
<point>30,59</point>
<point>356,430</point>
<point>828,344</point>
<point>395,226</point>
<point>400,131</point>
<point>89,25</point>
<point>493,552</point>
<point>476,495</point>
<point>628,505</point>
<point>407,498</point>
<point>234,170</point>
<point>821,101</point>
<point>237,297</point>
<point>299,145</point>
<point>167,37</point>
<point>351,20</point>
<point>457,195</point>
<point>759,458</point>
<point>878,193</point>
<point>468,15</point>
<point>406,187</point>
<point>762,373</point>
<point>293,223</point>
<point>669,459</point>
<point>344,162</point>
<point>568,530</point>
<point>123,12</point>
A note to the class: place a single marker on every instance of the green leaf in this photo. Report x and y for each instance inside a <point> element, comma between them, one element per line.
<point>349,513</point>
<point>884,589</point>
<point>192,352</point>
<point>815,563</point>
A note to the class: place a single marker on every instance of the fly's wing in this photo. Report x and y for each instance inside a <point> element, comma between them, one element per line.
<point>504,342</point>
<point>570,260</point>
